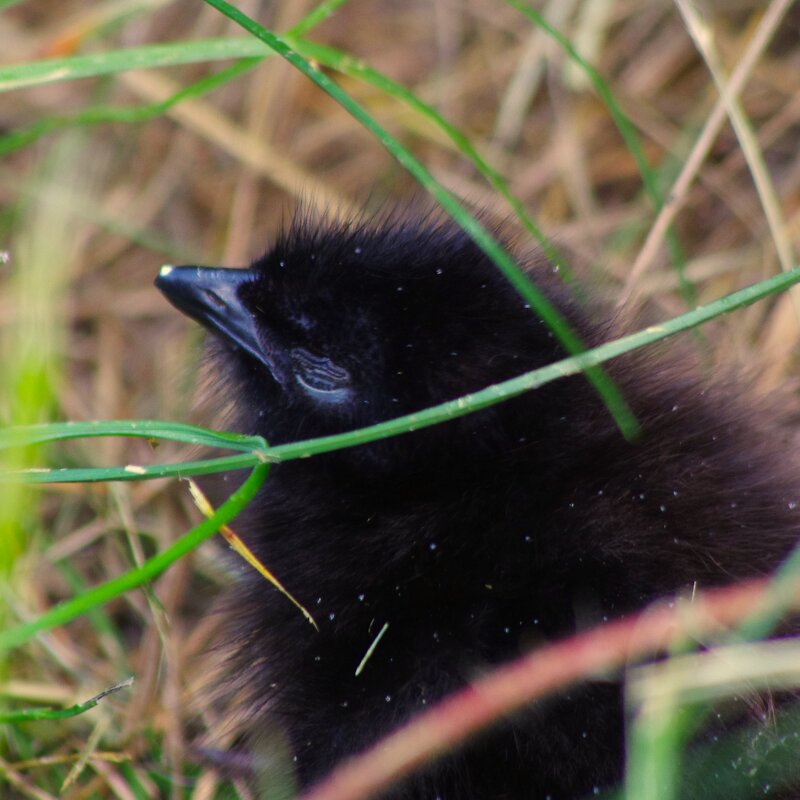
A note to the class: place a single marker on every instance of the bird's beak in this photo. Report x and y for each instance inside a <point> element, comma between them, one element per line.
<point>211,296</point>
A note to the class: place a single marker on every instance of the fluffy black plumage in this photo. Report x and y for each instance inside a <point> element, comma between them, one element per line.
<point>475,539</point>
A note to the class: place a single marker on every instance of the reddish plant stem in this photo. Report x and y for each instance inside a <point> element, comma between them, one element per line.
<point>532,677</point>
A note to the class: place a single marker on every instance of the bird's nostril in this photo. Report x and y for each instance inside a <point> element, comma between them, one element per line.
<point>214,299</point>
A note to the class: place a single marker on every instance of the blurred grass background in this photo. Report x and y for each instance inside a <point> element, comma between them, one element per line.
<point>89,212</point>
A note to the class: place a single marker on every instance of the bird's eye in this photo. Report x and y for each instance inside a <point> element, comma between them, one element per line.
<point>320,377</point>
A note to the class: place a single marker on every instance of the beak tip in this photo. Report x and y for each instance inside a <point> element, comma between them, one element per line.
<point>163,279</point>
<point>163,275</point>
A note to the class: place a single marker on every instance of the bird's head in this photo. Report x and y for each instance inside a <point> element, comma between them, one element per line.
<point>341,326</point>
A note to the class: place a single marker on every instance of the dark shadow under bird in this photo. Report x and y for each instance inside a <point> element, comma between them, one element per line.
<point>476,539</point>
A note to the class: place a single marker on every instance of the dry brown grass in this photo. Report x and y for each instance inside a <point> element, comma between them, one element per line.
<point>212,181</point>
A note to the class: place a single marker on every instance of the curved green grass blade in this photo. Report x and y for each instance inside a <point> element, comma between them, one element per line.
<point>152,568</point>
<point>316,16</point>
<point>538,377</point>
<point>135,472</point>
<point>547,312</point>
<point>246,49</point>
<point>436,414</point>
<point>99,114</point>
<point>53,70</point>
<point>354,68</point>
<point>211,50</point>
<point>152,429</point>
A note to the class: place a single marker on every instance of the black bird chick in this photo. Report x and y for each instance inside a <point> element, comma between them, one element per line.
<point>475,539</point>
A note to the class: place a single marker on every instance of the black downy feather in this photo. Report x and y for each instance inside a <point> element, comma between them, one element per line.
<point>473,540</point>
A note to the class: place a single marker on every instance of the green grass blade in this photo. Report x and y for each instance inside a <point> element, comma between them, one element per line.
<point>21,137</point>
<point>38,714</point>
<point>436,414</point>
<point>52,70</point>
<point>347,65</point>
<point>211,50</point>
<point>779,599</point>
<point>316,16</point>
<point>36,73</point>
<point>133,472</point>
<point>153,429</point>
<point>247,50</point>
<point>605,387</point>
<point>539,377</point>
<point>152,568</point>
